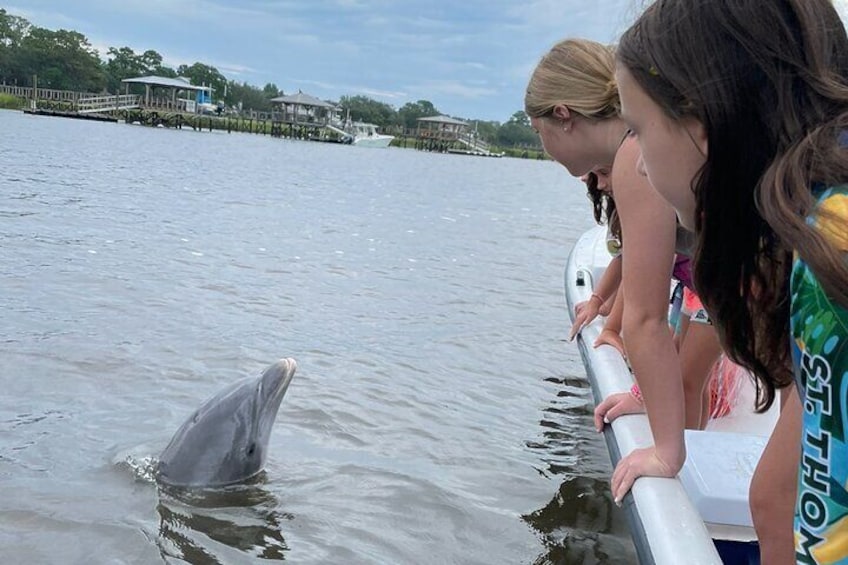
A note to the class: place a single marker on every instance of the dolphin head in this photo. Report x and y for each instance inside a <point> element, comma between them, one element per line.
<point>225,441</point>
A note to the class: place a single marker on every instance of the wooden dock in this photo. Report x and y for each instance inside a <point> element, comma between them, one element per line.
<point>75,115</point>
<point>298,116</point>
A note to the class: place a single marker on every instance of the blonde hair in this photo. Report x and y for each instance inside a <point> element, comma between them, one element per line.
<point>579,74</point>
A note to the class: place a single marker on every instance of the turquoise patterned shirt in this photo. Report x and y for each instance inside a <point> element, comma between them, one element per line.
<point>820,353</point>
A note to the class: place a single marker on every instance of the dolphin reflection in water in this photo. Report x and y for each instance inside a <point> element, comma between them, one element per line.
<point>234,524</point>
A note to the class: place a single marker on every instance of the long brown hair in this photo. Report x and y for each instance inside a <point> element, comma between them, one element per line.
<point>768,81</point>
<point>603,205</point>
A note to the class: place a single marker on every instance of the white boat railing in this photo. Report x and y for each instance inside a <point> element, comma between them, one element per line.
<point>666,526</point>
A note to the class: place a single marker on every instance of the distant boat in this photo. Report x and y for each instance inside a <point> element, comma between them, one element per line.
<point>365,135</point>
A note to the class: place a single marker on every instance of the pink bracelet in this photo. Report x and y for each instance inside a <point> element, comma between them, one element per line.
<point>636,393</point>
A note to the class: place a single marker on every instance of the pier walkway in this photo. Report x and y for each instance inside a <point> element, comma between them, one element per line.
<point>108,103</point>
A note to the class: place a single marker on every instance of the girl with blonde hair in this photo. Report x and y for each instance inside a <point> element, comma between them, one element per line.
<point>572,100</point>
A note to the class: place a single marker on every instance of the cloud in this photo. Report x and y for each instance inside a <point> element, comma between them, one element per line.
<point>353,89</point>
<point>601,20</point>
<point>47,18</point>
<point>228,69</point>
<point>184,10</point>
<point>453,88</point>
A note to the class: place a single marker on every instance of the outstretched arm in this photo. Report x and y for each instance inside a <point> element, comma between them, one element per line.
<point>648,229</point>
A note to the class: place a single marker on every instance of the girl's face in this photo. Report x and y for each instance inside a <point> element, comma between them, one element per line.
<point>673,151</point>
<point>603,174</point>
<point>563,143</point>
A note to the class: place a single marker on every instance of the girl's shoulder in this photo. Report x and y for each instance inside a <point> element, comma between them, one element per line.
<point>624,174</point>
<point>627,155</point>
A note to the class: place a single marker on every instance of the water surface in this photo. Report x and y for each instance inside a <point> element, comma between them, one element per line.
<point>438,415</point>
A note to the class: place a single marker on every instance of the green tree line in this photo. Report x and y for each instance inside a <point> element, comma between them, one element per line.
<point>65,60</point>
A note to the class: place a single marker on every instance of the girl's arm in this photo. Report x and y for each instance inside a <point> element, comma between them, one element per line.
<point>648,226</point>
<point>611,334</point>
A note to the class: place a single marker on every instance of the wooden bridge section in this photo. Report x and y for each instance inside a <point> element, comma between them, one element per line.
<point>109,103</point>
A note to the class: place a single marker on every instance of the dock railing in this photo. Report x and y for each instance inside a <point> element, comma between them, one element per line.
<point>109,103</point>
<point>29,93</point>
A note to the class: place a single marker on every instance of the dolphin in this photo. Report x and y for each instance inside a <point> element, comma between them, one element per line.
<point>225,441</point>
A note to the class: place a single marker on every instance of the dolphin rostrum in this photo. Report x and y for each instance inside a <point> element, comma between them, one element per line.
<point>225,441</point>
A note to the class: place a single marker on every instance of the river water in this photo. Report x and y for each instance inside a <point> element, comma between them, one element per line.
<point>438,414</point>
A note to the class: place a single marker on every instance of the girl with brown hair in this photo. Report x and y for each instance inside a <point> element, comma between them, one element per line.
<point>740,109</point>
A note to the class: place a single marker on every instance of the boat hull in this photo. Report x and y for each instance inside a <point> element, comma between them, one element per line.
<point>373,141</point>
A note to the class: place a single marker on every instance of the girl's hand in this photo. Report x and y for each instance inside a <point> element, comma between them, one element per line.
<point>639,463</point>
<point>579,307</point>
<point>616,405</point>
<point>584,312</point>
<point>613,338</point>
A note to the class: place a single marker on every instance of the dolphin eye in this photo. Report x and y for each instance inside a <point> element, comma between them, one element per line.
<point>251,449</point>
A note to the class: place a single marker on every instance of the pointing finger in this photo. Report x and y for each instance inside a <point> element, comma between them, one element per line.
<point>601,410</point>
<point>576,327</point>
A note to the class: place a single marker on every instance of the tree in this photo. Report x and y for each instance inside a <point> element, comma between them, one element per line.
<point>151,61</point>
<point>517,132</point>
<point>12,31</point>
<point>125,63</point>
<point>487,131</point>
<point>520,118</point>
<point>249,97</point>
<point>364,109</point>
<point>410,112</point>
<point>271,90</point>
<point>62,59</point>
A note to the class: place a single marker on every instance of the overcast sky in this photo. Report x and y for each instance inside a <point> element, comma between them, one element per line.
<point>471,58</point>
